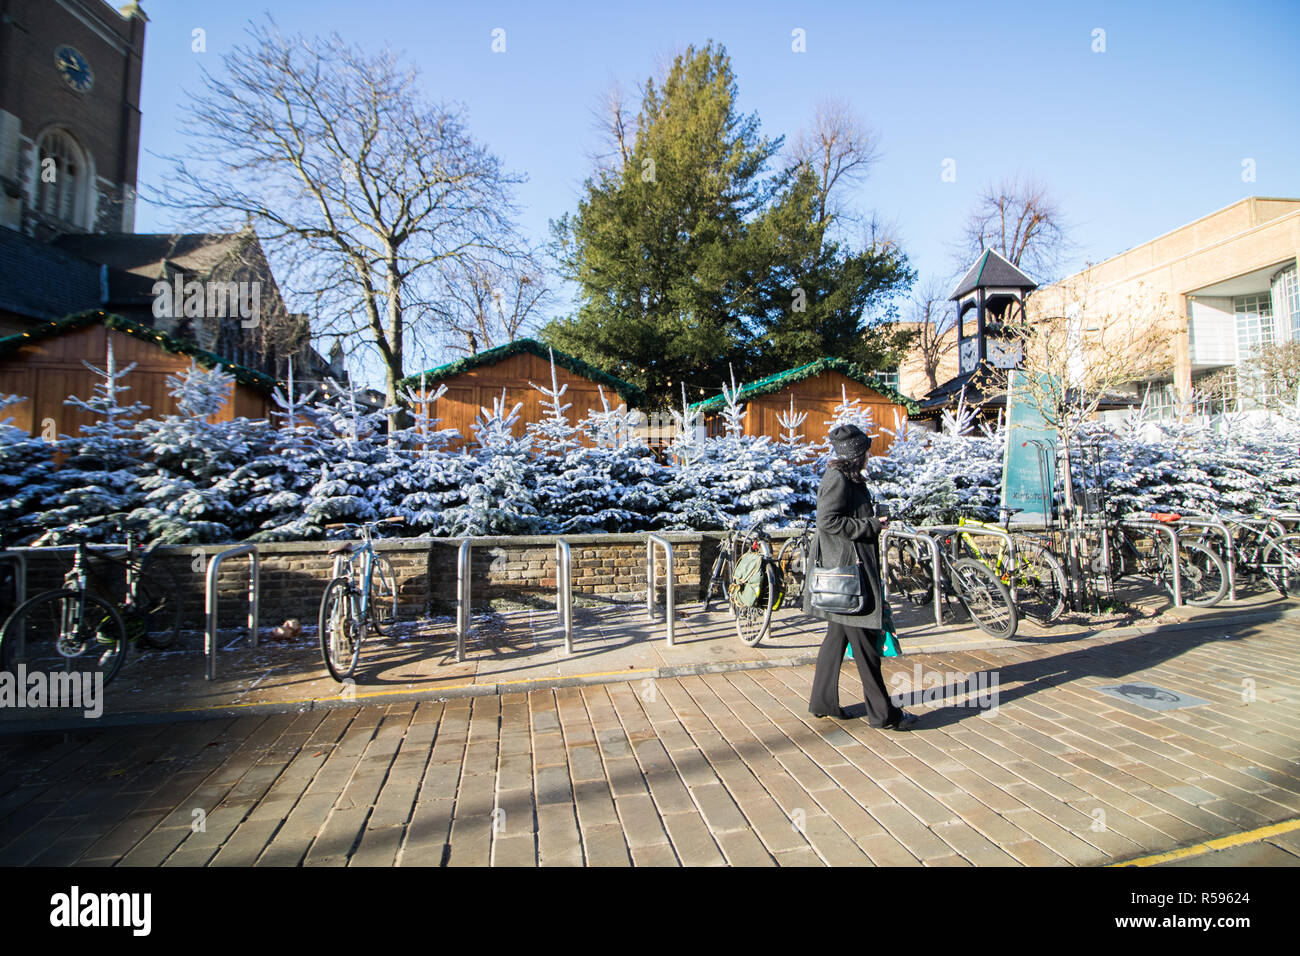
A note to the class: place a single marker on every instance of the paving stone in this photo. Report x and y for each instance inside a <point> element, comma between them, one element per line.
<point>691,840</point>
<point>605,846</point>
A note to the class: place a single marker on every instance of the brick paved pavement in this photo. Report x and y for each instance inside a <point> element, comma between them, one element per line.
<point>723,768</point>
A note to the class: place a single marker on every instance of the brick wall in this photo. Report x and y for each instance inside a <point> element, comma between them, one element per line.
<point>505,571</point>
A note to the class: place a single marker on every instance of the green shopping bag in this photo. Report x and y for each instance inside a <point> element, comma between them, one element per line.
<point>887,645</point>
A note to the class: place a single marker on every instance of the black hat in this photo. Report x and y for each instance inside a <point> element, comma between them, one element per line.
<point>849,441</point>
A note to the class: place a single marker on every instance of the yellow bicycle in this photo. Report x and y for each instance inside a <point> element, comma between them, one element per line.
<point>1036,576</point>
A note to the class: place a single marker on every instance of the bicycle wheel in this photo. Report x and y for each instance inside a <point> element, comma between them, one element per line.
<point>986,598</point>
<point>383,595</point>
<point>340,630</point>
<point>64,631</point>
<point>909,573</point>
<point>792,560</point>
<point>1040,583</point>
<point>1203,576</point>
<point>753,620</point>
<point>159,607</point>
<point>1280,561</point>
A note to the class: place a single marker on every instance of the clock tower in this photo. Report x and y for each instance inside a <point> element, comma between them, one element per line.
<point>69,115</point>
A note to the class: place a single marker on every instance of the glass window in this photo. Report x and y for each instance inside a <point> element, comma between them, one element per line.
<point>1254,323</point>
<point>888,376</point>
<point>1286,302</point>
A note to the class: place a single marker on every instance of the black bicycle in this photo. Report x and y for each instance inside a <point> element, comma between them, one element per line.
<point>745,575</point>
<point>85,626</point>
<point>909,568</point>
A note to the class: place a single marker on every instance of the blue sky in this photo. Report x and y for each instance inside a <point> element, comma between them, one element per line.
<point>1134,141</point>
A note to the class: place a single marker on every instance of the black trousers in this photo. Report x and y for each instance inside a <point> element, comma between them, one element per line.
<point>826,679</point>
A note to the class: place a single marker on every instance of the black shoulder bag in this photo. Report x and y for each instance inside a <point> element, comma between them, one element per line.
<point>840,590</point>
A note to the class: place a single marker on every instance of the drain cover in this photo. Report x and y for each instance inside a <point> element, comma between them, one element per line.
<point>1152,697</point>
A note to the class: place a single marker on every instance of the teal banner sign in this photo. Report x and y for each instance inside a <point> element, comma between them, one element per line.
<point>1029,464</point>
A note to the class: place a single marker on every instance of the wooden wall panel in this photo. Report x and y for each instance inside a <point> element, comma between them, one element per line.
<point>819,396</point>
<point>478,388</point>
<point>48,371</point>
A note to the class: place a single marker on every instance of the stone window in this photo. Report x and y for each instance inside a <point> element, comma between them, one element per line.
<point>62,179</point>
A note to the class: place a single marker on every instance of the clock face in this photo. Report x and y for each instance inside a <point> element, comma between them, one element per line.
<point>74,69</point>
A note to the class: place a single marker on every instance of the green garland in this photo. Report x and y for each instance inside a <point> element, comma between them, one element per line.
<point>774,383</point>
<point>80,320</point>
<point>629,392</point>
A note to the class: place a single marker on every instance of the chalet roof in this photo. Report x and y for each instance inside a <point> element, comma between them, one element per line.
<point>630,393</point>
<point>992,270</point>
<point>792,376</point>
<point>143,254</point>
<point>12,343</point>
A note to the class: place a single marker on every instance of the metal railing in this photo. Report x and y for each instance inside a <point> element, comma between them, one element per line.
<point>936,589</point>
<point>982,530</point>
<point>1149,527</point>
<point>670,606</point>
<point>463,557</point>
<point>210,602</point>
<point>564,591</point>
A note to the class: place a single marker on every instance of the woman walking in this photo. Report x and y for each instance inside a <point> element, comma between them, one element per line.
<point>848,531</point>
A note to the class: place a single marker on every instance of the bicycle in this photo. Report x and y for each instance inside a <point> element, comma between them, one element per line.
<point>745,574</point>
<point>792,562</point>
<point>910,572</point>
<point>1037,578</point>
<point>361,596</point>
<point>77,628</point>
<point>1203,577</point>
<point>1262,547</point>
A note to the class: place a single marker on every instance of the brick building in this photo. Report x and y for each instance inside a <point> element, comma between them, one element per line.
<point>69,115</point>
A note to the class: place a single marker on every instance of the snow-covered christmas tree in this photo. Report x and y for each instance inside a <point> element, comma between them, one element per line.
<point>501,494</point>
<point>26,477</point>
<point>187,498</point>
<point>98,485</point>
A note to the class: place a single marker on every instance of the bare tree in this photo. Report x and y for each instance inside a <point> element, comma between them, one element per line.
<point>491,303</point>
<point>1020,219</point>
<point>1265,379</point>
<point>935,321</point>
<point>840,149</point>
<point>363,189</point>
<point>615,125</point>
<point>1082,347</point>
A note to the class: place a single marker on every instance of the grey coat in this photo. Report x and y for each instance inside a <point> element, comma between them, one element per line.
<point>847,524</point>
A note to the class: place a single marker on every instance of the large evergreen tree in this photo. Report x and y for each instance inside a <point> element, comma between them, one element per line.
<point>692,255</point>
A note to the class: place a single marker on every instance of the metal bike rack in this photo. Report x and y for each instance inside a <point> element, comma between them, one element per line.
<point>653,541</point>
<point>20,575</point>
<point>1149,526</point>
<point>1211,521</point>
<point>463,555</point>
<point>564,591</point>
<point>935,587</point>
<point>210,602</point>
<point>998,533</point>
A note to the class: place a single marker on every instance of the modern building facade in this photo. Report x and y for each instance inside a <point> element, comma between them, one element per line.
<point>1230,279</point>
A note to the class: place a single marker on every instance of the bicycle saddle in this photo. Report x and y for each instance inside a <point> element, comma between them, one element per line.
<point>343,547</point>
<point>1166,517</point>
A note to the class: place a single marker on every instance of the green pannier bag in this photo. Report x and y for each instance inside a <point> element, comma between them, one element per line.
<point>747,583</point>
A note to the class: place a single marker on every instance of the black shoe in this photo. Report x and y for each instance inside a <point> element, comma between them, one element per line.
<point>904,721</point>
<point>840,714</point>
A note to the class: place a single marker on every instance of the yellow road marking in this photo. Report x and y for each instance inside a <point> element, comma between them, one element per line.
<point>1221,843</point>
